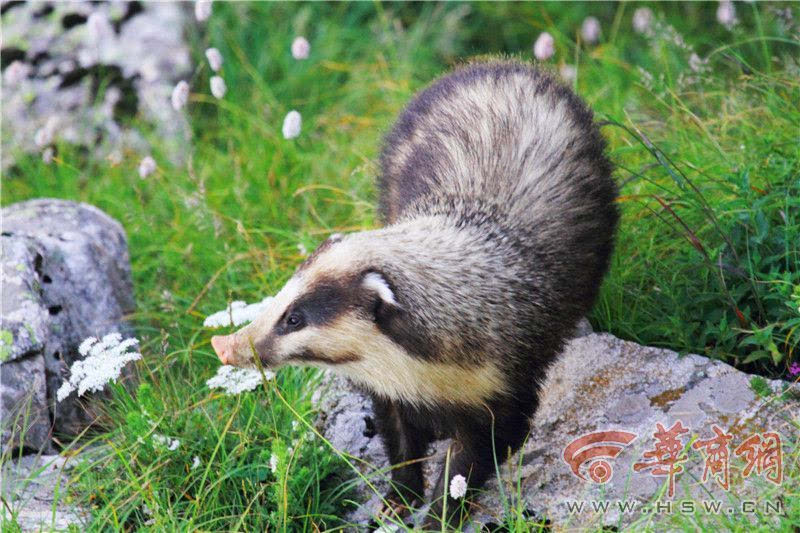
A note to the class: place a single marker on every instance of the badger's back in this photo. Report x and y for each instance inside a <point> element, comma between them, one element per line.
<point>501,131</point>
<point>503,142</point>
<point>512,142</point>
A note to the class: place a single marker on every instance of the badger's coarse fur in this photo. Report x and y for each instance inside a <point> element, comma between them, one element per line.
<point>500,217</point>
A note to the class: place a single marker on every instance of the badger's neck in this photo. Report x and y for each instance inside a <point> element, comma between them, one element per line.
<point>459,278</point>
<point>455,282</point>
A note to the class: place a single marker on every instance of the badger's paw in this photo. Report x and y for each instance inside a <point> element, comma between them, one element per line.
<point>394,510</point>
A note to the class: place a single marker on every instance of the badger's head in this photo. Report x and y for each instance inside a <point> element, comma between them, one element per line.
<point>329,313</point>
<point>345,308</point>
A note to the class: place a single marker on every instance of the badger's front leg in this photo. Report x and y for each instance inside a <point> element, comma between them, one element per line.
<point>406,442</point>
<point>472,455</point>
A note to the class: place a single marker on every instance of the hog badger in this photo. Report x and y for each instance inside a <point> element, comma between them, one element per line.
<point>499,214</point>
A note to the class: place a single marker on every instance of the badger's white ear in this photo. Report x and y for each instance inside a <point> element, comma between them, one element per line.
<point>375,282</point>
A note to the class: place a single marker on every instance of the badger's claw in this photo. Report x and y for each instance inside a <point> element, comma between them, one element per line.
<point>391,510</point>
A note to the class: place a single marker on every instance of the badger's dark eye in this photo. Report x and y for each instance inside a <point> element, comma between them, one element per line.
<point>294,321</point>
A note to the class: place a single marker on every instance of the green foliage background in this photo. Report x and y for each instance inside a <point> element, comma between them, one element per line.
<point>708,250</point>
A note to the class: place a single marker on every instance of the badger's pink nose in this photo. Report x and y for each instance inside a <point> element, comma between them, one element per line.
<point>223,345</point>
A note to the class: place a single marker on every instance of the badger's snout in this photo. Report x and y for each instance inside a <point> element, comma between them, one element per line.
<point>223,346</point>
<point>235,349</point>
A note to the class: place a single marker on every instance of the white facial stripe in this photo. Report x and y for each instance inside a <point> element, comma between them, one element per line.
<point>389,370</point>
<point>262,325</point>
<point>375,282</point>
<point>296,342</point>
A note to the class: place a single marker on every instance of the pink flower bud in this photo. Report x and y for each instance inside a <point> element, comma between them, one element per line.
<point>300,48</point>
<point>180,95</point>
<point>590,30</point>
<point>218,87</point>
<point>202,10</point>
<point>214,59</point>
<point>292,125</point>
<point>545,47</point>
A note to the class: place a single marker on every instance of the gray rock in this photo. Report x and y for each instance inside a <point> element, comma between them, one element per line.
<point>600,383</point>
<point>66,277</point>
<point>34,488</point>
<point>78,84</point>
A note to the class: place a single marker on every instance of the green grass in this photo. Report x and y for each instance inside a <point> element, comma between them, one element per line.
<point>707,256</point>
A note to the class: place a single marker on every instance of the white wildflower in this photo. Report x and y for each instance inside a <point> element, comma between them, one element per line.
<point>146,510</point>
<point>114,158</point>
<point>218,87</point>
<point>697,64</point>
<point>300,48</point>
<point>458,486</point>
<point>302,249</point>
<point>214,59</point>
<point>236,314</point>
<point>16,72</point>
<point>590,30</point>
<point>195,462</point>
<point>294,425</point>
<point>273,463</point>
<point>180,95</point>
<point>170,444</point>
<point>147,166</point>
<point>48,154</point>
<point>568,73</point>
<point>42,137</point>
<point>292,125</point>
<point>103,362</point>
<point>46,133</point>
<point>544,47</point>
<point>235,380</point>
<point>202,10</point>
<point>726,14</point>
<point>642,19</point>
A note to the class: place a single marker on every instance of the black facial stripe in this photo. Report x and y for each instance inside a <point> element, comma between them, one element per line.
<point>323,303</point>
<point>309,356</point>
<point>413,340</point>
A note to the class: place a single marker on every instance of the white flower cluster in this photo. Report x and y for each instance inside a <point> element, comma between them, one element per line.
<point>147,166</point>
<point>458,486</point>
<point>642,19</point>
<point>103,362</point>
<point>45,135</point>
<point>234,380</point>
<point>273,463</point>
<point>170,444</point>
<point>236,314</point>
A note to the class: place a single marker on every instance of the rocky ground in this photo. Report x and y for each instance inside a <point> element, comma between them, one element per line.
<point>34,486</point>
<point>66,277</point>
<point>601,383</point>
<point>77,72</point>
